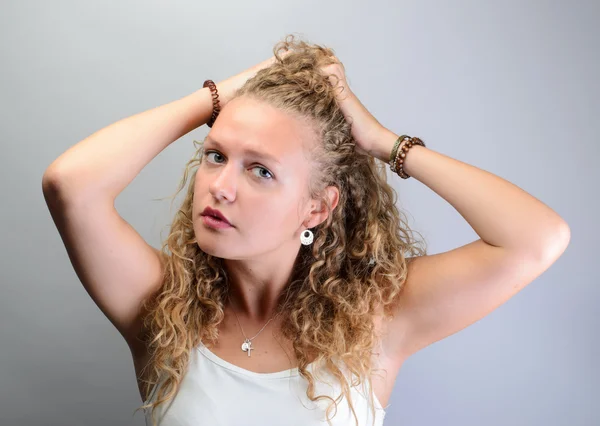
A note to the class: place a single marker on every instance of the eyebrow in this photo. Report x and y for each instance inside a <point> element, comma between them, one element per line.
<point>247,151</point>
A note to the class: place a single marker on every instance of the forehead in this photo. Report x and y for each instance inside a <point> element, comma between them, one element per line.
<point>249,125</point>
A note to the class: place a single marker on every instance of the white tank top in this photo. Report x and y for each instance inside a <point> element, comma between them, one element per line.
<point>217,393</point>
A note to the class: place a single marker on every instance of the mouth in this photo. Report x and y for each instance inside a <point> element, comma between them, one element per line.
<point>215,222</point>
<point>215,214</point>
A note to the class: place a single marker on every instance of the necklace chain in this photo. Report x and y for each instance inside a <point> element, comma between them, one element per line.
<point>247,345</point>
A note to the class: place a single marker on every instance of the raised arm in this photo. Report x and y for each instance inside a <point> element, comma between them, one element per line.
<point>115,265</point>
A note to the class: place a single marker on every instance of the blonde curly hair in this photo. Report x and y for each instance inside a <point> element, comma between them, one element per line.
<point>356,265</point>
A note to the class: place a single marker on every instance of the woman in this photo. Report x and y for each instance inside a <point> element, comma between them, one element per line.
<point>301,303</point>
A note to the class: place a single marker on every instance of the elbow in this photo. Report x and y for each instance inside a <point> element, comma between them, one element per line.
<point>556,243</point>
<point>51,180</point>
<point>50,188</point>
<point>544,248</point>
<point>55,187</point>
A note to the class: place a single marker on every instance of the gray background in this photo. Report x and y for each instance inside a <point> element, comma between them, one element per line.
<point>511,87</point>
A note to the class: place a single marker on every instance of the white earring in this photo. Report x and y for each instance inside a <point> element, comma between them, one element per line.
<point>306,237</point>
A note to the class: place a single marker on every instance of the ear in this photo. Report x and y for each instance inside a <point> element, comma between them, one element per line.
<point>319,213</point>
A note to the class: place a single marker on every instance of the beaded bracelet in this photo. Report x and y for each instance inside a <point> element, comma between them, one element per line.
<point>215,97</point>
<point>397,155</point>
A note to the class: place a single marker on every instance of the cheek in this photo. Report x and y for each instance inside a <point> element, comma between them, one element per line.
<point>275,216</point>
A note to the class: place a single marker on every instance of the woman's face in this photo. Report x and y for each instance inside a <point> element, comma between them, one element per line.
<point>255,171</point>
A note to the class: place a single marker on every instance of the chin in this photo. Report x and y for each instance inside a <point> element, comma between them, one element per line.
<point>209,249</point>
<point>209,243</point>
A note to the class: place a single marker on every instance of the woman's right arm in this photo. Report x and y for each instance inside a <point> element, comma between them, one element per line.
<point>108,160</point>
<point>116,266</point>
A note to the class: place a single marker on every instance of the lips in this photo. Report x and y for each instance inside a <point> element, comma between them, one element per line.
<point>215,213</point>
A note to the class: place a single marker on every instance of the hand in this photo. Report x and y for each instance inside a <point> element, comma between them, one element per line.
<point>365,127</point>
<point>227,88</point>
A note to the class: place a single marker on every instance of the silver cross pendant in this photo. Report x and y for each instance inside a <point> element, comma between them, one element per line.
<point>247,346</point>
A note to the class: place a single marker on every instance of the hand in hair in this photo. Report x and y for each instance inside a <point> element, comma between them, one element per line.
<point>227,88</point>
<point>365,127</point>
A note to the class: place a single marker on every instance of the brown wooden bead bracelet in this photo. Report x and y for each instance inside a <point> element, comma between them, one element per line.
<point>399,151</point>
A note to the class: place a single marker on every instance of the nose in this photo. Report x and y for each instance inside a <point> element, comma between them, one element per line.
<point>223,187</point>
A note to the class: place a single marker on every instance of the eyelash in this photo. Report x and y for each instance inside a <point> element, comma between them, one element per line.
<point>216,152</point>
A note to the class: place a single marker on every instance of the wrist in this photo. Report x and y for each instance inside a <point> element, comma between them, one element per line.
<point>382,144</point>
<point>199,107</point>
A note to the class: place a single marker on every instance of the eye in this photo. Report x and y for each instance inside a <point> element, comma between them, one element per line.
<point>207,153</point>
<point>262,168</point>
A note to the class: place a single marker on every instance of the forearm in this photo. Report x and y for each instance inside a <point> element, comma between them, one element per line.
<point>501,213</point>
<point>104,163</point>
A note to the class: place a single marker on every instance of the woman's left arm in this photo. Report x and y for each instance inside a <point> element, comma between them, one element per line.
<point>444,293</point>
<point>520,237</point>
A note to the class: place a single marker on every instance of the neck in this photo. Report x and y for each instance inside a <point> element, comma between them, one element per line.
<point>255,286</point>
